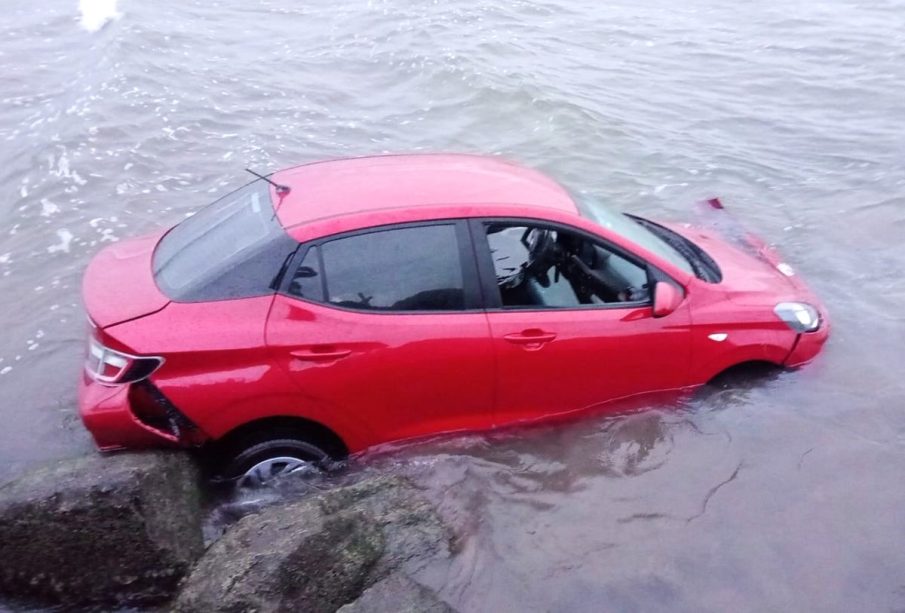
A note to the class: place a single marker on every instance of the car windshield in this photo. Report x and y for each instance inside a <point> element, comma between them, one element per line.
<point>627,227</point>
<point>216,239</point>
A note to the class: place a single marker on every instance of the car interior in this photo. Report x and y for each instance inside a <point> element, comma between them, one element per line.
<point>538,266</point>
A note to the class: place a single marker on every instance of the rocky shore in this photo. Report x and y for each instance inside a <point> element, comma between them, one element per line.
<point>126,531</point>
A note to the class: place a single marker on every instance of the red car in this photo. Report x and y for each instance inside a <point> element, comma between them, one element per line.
<point>342,304</point>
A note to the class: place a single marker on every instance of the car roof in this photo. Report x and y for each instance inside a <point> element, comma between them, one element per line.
<point>356,186</point>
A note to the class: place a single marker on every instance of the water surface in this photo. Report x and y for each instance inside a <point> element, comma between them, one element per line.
<point>786,495</point>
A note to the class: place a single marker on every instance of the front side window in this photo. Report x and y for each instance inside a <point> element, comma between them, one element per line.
<point>400,269</point>
<point>233,248</point>
<point>542,267</point>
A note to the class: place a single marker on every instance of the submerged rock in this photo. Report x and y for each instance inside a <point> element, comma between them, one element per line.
<point>320,553</point>
<point>100,530</point>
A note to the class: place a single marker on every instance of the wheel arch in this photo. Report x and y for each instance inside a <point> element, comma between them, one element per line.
<point>746,368</point>
<point>285,426</point>
<point>750,355</point>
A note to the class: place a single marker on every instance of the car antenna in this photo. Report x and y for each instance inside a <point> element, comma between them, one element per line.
<point>281,189</point>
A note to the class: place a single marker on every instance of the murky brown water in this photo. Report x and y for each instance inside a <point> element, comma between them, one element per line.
<point>787,495</point>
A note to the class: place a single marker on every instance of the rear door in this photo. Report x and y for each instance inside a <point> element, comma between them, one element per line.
<point>386,326</point>
<point>572,322</point>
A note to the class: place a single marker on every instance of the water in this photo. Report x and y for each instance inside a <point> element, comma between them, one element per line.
<point>786,495</point>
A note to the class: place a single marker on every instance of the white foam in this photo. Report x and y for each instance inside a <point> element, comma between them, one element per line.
<point>97,13</point>
<point>48,208</point>
<point>65,240</point>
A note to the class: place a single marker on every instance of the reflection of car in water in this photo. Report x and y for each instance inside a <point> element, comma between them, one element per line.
<point>340,305</point>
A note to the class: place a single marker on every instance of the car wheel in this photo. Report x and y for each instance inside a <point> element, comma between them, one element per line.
<point>258,463</point>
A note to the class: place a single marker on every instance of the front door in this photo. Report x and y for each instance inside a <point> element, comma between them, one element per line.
<point>386,327</point>
<point>572,326</point>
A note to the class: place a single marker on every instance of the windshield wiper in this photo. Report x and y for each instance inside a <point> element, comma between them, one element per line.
<point>702,265</point>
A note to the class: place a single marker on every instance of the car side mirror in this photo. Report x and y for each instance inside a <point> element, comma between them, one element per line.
<point>667,298</point>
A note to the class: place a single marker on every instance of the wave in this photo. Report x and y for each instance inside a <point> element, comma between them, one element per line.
<point>97,13</point>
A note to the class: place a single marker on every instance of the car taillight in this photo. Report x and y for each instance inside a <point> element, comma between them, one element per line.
<point>112,367</point>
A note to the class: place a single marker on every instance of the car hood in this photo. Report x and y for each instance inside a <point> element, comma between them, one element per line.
<point>751,270</point>
<point>119,282</point>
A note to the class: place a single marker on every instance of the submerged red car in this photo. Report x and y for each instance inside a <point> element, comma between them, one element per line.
<point>334,306</point>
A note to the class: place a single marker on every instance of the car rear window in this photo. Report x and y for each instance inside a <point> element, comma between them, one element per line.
<point>400,269</point>
<point>233,248</point>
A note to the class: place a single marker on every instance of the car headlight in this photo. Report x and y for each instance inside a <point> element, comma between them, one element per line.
<point>799,316</point>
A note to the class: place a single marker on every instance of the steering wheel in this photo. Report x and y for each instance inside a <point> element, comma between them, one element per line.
<point>542,253</point>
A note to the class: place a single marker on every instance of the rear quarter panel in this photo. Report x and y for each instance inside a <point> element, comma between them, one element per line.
<point>218,370</point>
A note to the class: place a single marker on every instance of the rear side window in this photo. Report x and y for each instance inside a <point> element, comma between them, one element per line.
<point>233,248</point>
<point>307,281</point>
<point>400,269</point>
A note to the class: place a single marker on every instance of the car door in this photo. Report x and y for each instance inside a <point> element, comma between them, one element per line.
<point>572,322</point>
<point>386,326</point>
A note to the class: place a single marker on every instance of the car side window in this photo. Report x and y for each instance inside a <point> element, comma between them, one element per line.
<point>307,281</point>
<point>542,267</point>
<point>400,269</point>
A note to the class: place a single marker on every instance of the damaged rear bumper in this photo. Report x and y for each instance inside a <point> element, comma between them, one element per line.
<point>133,416</point>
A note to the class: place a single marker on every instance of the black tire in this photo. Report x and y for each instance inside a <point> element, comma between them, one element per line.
<point>244,455</point>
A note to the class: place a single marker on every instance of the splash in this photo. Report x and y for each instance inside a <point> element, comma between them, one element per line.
<point>97,13</point>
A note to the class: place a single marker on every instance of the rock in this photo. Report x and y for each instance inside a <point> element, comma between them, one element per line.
<point>413,531</point>
<point>287,554</point>
<point>397,593</point>
<point>100,530</point>
<point>317,554</point>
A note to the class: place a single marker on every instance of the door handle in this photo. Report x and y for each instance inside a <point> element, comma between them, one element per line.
<point>320,355</point>
<point>530,337</point>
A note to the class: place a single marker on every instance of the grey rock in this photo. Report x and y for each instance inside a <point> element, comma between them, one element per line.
<point>100,530</point>
<point>413,531</point>
<point>317,554</point>
<point>285,555</point>
<point>397,593</point>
